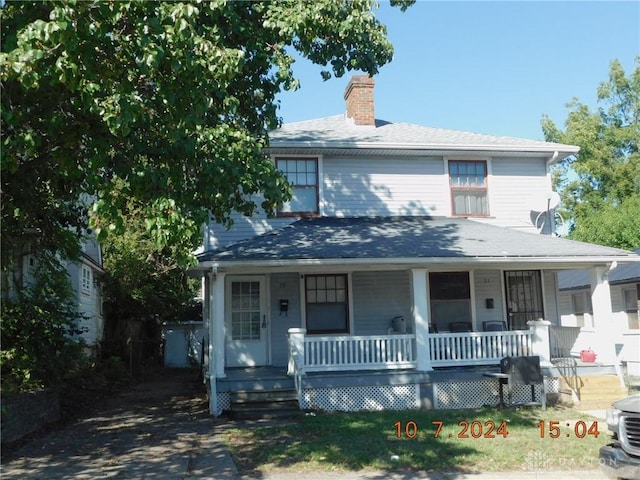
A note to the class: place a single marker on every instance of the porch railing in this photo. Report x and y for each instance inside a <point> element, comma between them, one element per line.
<point>562,340</point>
<point>332,353</point>
<point>478,348</point>
<point>386,352</point>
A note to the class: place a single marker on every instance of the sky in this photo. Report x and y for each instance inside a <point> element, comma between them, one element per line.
<point>485,67</point>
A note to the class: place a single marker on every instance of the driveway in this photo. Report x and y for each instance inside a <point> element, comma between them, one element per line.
<point>159,428</point>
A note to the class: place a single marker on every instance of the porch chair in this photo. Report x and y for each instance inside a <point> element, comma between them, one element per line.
<point>494,326</point>
<point>524,371</point>
<point>460,327</point>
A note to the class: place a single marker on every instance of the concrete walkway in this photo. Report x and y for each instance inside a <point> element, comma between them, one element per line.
<point>158,429</point>
<point>161,429</point>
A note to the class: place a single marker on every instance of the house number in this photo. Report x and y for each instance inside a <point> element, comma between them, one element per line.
<point>474,429</point>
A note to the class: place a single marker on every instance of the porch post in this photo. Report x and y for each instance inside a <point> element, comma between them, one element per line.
<point>540,343</point>
<point>296,345</point>
<point>605,331</point>
<point>217,328</point>
<point>420,310</point>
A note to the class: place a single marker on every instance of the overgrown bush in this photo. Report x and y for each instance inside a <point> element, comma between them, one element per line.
<point>40,338</point>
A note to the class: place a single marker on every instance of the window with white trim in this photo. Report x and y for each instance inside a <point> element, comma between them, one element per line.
<point>86,280</point>
<point>327,303</point>
<point>581,303</point>
<point>468,184</point>
<point>630,300</point>
<point>302,175</point>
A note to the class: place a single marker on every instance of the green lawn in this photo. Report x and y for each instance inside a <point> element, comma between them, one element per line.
<point>494,440</point>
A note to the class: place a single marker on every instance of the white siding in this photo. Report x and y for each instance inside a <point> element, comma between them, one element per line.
<point>404,186</point>
<point>513,183</point>
<point>89,303</point>
<point>286,287</point>
<point>565,308</point>
<point>377,298</point>
<point>488,284</point>
<point>383,186</point>
<point>217,235</point>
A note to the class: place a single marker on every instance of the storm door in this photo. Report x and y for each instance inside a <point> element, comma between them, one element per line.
<point>246,322</point>
<point>524,297</point>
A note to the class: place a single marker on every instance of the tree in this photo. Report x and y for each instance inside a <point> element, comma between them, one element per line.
<point>40,342</point>
<point>600,186</point>
<point>173,99</point>
<point>143,282</point>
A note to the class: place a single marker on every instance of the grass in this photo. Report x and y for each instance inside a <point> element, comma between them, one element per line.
<point>369,441</point>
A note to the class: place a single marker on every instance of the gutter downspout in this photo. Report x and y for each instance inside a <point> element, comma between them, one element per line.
<point>552,219</point>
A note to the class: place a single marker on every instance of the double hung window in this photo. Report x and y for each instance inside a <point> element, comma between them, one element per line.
<point>468,183</point>
<point>302,174</point>
<point>327,304</point>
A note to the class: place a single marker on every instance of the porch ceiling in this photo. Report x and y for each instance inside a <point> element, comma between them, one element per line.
<point>404,240</point>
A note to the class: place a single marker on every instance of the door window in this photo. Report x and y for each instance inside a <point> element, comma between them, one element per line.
<point>245,310</point>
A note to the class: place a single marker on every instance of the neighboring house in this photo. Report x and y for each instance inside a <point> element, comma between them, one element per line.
<point>576,309</point>
<point>85,277</point>
<point>405,251</point>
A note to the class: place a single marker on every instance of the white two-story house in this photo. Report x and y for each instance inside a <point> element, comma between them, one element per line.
<point>405,250</point>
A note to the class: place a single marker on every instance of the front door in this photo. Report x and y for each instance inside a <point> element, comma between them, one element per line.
<point>524,297</point>
<point>246,322</point>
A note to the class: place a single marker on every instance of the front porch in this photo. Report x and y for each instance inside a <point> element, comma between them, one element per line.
<point>397,389</point>
<point>381,372</point>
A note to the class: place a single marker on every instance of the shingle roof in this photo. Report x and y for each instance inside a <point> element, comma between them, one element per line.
<point>404,237</point>
<point>623,273</point>
<point>339,131</point>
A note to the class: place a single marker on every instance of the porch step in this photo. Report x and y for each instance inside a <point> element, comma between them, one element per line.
<point>600,391</point>
<point>264,404</point>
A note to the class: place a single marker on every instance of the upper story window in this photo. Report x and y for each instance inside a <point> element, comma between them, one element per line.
<point>468,182</point>
<point>327,304</point>
<point>86,280</point>
<point>302,174</point>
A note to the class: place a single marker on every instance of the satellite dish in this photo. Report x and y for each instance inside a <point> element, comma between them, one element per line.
<point>544,202</point>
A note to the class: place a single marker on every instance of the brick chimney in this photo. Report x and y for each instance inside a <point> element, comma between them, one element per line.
<point>359,99</point>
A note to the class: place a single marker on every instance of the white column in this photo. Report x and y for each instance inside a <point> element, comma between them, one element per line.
<point>217,323</point>
<point>605,330</point>
<point>420,310</point>
<point>540,343</point>
<point>296,343</point>
<point>211,362</point>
